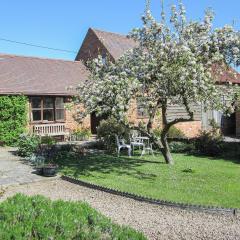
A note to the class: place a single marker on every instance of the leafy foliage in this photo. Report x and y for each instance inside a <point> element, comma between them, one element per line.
<point>108,129</point>
<point>182,147</point>
<point>36,217</point>
<point>210,142</point>
<point>13,118</point>
<point>81,134</point>
<point>28,145</point>
<point>172,133</point>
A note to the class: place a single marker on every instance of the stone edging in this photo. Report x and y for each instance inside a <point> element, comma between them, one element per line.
<point>202,208</point>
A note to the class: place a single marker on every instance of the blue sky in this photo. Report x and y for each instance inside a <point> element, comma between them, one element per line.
<point>64,23</point>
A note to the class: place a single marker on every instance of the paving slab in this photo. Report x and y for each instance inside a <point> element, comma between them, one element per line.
<point>14,170</point>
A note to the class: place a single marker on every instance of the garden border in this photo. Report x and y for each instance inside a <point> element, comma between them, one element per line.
<point>201,208</point>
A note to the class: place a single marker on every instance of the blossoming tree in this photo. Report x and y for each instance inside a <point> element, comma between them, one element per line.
<point>172,64</point>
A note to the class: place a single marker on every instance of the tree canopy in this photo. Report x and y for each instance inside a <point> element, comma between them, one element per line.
<point>172,64</point>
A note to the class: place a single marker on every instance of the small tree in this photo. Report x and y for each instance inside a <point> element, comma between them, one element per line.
<point>172,64</point>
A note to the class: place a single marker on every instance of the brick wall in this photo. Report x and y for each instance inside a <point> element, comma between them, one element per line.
<point>91,48</point>
<point>190,129</point>
<point>70,121</point>
<point>238,123</point>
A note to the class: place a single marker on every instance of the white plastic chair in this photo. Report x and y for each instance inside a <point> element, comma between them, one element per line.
<point>121,145</point>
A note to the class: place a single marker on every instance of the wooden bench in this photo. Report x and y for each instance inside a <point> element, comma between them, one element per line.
<point>52,130</point>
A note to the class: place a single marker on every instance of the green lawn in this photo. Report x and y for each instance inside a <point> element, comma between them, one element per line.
<point>193,179</point>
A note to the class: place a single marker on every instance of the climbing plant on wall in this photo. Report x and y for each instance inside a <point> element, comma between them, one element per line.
<point>13,118</point>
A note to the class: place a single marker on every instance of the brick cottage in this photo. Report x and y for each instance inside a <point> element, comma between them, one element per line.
<point>49,85</point>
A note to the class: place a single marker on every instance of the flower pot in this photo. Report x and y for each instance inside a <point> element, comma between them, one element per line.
<point>49,171</point>
<point>39,170</point>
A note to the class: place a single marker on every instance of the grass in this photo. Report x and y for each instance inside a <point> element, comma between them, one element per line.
<point>23,218</point>
<point>193,179</point>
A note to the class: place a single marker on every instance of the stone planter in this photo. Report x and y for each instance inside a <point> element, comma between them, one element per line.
<point>49,170</point>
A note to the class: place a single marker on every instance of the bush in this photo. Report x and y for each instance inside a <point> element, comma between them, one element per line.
<point>37,217</point>
<point>81,134</point>
<point>173,132</point>
<point>108,129</point>
<point>47,148</point>
<point>208,144</point>
<point>13,118</point>
<point>28,145</point>
<point>182,147</point>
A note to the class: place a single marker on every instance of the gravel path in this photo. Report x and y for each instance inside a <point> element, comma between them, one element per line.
<point>156,222</point>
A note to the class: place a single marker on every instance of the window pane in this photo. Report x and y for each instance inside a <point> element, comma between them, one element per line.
<point>59,114</point>
<point>36,115</point>
<point>59,102</point>
<point>47,102</point>
<point>36,102</point>
<point>48,115</point>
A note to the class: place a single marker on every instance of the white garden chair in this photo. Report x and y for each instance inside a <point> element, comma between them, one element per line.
<point>136,142</point>
<point>122,145</point>
<point>147,148</point>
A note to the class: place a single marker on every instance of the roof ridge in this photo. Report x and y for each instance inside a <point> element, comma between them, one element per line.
<point>40,58</point>
<point>109,32</point>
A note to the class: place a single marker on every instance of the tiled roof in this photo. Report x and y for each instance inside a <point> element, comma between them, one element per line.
<point>115,43</point>
<point>228,74</point>
<point>39,76</point>
<point>118,44</point>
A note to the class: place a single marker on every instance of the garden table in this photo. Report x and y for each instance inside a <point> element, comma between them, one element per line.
<point>146,147</point>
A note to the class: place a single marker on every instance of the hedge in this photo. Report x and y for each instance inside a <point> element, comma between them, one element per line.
<point>13,118</point>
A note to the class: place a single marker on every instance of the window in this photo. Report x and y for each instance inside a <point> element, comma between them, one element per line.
<point>141,109</point>
<point>59,109</point>
<point>47,109</point>
<point>36,109</point>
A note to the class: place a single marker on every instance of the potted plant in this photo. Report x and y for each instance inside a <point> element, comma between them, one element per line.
<point>47,151</point>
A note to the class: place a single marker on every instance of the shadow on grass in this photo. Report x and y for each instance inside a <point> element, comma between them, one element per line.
<point>233,157</point>
<point>105,163</point>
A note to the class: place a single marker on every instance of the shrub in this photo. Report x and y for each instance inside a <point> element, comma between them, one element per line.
<point>173,133</point>
<point>210,142</point>
<point>37,217</point>
<point>81,134</point>
<point>209,145</point>
<point>108,129</point>
<point>28,145</point>
<point>13,118</point>
<point>47,148</point>
<point>182,147</point>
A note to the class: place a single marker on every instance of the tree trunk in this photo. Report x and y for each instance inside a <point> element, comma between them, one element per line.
<point>166,151</point>
<point>166,126</point>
